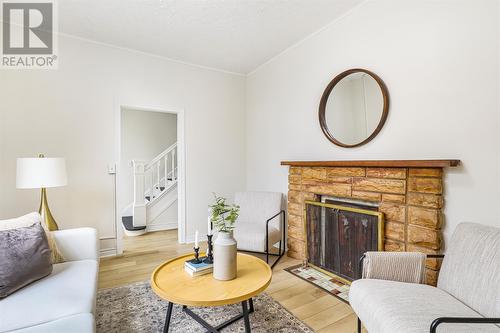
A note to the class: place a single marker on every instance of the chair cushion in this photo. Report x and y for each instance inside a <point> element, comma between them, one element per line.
<point>471,268</point>
<point>252,237</point>
<point>388,307</point>
<point>69,290</point>
<point>80,323</point>
<point>258,207</point>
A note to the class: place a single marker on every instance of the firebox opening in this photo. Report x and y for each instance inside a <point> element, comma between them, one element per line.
<point>338,232</point>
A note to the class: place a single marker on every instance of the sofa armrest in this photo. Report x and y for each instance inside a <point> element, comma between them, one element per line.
<point>395,266</point>
<point>77,244</point>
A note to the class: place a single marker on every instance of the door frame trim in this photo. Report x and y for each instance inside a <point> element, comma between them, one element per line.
<point>181,167</point>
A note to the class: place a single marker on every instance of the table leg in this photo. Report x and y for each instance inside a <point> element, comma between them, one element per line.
<point>167,319</point>
<point>210,328</point>
<point>247,309</point>
<point>245,316</point>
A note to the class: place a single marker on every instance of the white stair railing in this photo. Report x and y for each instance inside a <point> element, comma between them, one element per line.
<point>151,179</point>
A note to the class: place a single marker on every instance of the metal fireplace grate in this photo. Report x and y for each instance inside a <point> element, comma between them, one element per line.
<point>337,235</point>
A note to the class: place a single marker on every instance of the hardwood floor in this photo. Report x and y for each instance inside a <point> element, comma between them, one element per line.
<point>321,311</point>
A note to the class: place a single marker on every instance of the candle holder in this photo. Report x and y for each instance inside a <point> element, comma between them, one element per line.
<point>210,255</point>
<point>196,259</point>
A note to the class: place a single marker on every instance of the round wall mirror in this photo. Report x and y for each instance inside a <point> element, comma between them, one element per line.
<point>353,108</point>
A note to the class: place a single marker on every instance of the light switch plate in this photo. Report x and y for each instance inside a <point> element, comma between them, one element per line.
<point>112,168</point>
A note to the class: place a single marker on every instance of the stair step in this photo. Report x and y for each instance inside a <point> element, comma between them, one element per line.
<point>128,223</point>
<point>156,193</point>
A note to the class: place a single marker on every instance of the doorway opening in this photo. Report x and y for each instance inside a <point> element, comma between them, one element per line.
<point>150,179</point>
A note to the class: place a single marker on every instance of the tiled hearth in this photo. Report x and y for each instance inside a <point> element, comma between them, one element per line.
<point>409,193</point>
<point>330,284</point>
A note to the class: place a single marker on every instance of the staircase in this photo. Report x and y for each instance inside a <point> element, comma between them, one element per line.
<point>155,193</point>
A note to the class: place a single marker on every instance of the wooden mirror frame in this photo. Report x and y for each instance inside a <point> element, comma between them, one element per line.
<point>326,94</point>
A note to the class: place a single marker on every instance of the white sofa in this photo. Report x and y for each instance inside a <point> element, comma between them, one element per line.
<point>64,301</point>
<point>468,291</point>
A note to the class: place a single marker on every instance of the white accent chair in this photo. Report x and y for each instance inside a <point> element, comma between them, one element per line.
<point>261,224</point>
<point>64,301</point>
<point>467,297</point>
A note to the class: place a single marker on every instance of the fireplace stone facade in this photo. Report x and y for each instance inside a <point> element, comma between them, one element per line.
<point>410,198</point>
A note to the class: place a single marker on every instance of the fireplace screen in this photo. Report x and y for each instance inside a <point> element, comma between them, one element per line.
<point>338,235</point>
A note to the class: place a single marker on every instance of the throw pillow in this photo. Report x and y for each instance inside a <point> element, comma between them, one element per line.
<point>28,220</point>
<point>25,258</point>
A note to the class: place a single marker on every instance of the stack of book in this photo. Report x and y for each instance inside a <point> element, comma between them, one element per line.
<point>196,269</point>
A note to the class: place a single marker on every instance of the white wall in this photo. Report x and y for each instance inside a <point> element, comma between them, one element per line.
<point>144,135</point>
<point>440,62</point>
<point>72,112</point>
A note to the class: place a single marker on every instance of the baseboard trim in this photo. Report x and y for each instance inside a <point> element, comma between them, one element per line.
<point>109,252</point>
<point>162,226</point>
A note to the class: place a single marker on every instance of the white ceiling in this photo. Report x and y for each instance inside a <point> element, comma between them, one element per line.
<point>231,35</point>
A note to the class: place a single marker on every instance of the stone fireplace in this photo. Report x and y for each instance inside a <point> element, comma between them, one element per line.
<point>408,193</point>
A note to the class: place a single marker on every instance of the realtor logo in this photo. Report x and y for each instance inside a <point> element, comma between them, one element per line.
<point>28,34</point>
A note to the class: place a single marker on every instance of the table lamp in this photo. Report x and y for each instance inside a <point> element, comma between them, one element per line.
<point>42,173</point>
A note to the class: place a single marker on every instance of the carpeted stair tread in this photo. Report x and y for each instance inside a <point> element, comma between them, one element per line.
<point>129,224</point>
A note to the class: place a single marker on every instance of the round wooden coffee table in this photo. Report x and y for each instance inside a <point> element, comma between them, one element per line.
<point>173,284</point>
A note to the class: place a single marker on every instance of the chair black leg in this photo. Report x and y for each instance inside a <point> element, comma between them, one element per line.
<point>267,248</point>
<point>359,326</point>
<point>167,319</point>
<point>267,254</point>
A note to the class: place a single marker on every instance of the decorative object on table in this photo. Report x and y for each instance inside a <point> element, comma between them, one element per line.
<point>225,262</point>
<point>223,217</point>
<point>197,266</point>
<point>196,249</point>
<point>194,268</point>
<point>145,312</point>
<point>209,259</point>
<point>27,221</point>
<point>196,259</point>
<point>42,173</point>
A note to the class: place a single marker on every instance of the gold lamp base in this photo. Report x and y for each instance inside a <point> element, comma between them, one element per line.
<point>45,213</point>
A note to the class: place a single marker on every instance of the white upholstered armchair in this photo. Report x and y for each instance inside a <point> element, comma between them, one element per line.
<point>467,297</point>
<point>261,224</point>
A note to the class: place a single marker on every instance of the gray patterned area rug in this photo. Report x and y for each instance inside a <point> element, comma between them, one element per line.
<point>136,308</point>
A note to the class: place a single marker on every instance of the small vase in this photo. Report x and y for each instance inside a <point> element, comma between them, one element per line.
<point>224,257</point>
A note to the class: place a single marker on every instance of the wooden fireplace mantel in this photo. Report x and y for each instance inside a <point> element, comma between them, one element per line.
<point>377,163</point>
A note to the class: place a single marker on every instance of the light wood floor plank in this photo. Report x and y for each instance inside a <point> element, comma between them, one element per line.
<point>309,309</point>
<point>328,316</point>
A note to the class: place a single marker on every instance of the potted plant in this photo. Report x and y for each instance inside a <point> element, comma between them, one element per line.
<point>223,217</point>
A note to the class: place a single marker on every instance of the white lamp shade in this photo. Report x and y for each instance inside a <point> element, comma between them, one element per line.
<point>41,172</point>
